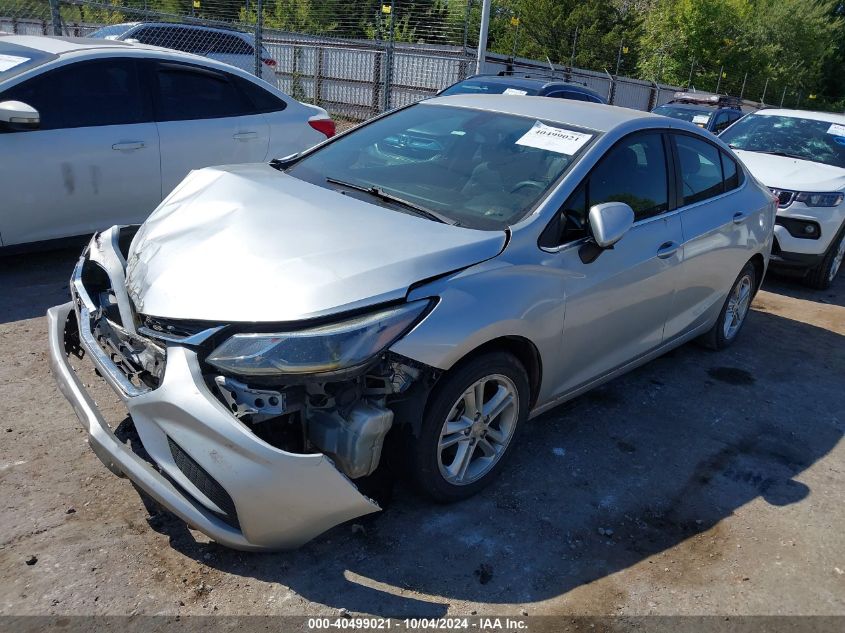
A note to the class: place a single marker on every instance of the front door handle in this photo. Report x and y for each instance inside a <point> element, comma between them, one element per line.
<point>667,249</point>
<point>245,136</point>
<point>128,146</point>
<point>740,217</point>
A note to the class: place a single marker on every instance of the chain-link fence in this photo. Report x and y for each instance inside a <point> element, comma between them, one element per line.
<point>355,58</point>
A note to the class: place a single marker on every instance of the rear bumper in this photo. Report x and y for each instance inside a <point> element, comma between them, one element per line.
<point>256,496</point>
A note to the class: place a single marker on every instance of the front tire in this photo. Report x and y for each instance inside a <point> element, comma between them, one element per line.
<point>734,312</point>
<point>469,426</point>
<point>822,276</point>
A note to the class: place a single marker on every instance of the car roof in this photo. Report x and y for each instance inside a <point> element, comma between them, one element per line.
<point>594,116</point>
<point>89,47</point>
<point>527,81</point>
<point>829,117</point>
<point>693,106</point>
<point>61,45</point>
<point>182,25</point>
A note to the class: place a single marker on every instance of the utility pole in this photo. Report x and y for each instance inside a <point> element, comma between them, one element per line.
<point>719,80</point>
<point>783,96</point>
<point>619,57</point>
<point>763,98</point>
<point>466,24</point>
<point>482,36</point>
<point>259,25</point>
<point>691,69</point>
<point>388,71</point>
<point>660,66</point>
<point>742,91</point>
<point>574,44</point>
<point>55,17</point>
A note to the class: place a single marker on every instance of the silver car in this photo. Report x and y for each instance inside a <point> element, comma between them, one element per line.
<point>405,296</point>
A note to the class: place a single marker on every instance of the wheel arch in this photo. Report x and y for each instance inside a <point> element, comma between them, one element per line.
<point>759,269</point>
<point>523,349</point>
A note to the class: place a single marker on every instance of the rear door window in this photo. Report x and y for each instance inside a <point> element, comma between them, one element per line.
<point>701,169</point>
<point>188,92</point>
<point>731,173</point>
<point>228,44</point>
<point>261,100</point>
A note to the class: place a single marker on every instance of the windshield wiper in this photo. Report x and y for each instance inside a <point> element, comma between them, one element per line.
<point>381,194</point>
<point>762,151</point>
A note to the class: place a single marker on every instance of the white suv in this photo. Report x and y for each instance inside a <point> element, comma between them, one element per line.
<point>800,156</point>
<point>225,45</point>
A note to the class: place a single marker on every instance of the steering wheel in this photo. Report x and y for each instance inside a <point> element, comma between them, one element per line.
<point>527,183</point>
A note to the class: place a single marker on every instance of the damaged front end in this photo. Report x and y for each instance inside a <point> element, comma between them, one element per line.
<point>255,438</point>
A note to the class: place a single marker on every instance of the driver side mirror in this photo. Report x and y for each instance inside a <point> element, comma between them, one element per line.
<point>18,116</point>
<point>609,221</point>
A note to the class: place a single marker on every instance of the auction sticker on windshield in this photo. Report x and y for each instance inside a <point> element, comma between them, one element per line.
<point>554,139</point>
<point>836,129</point>
<point>10,61</point>
<point>514,91</point>
<point>700,119</point>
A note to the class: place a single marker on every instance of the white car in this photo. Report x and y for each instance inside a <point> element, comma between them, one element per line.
<point>225,45</point>
<point>800,156</point>
<point>96,132</point>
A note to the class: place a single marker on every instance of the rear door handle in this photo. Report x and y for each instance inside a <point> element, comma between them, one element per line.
<point>128,146</point>
<point>245,136</point>
<point>740,217</point>
<point>667,249</point>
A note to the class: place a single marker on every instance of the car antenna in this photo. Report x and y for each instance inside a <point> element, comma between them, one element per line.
<point>551,66</point>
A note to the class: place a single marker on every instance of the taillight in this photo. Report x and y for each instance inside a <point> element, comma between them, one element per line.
<point>269,61</point>
<point>324,126</point>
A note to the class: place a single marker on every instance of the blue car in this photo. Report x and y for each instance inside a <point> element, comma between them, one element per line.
<point>508,83</point>
<point>713,113</point>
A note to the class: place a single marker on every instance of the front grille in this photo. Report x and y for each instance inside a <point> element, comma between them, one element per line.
<point>179,328</point>
<point>784,196</point>
<point>205,483</point>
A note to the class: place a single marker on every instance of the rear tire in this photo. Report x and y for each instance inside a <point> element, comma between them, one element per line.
<point>469,427</point>
<point>822,276</point>
<point>735,311</point>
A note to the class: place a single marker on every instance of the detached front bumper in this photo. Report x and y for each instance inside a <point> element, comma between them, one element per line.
<point>209,469</point>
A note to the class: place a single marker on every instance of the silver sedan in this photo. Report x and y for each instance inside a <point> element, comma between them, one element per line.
<point>404,297</point>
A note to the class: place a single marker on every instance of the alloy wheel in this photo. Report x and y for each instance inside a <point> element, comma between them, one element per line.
<point>738,304</point>
<point>477,430</point>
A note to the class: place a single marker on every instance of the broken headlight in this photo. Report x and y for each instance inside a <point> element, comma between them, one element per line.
<point>320,349</point>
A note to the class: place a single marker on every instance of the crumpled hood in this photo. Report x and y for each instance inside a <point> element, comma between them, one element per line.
<point>249,243</point>
<point>781,172</point>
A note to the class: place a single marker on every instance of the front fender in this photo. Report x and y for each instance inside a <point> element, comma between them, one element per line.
<point>485,302</point>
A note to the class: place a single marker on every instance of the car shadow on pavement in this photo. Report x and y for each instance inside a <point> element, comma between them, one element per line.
<point>33,282</point>
<point>791,286</point>
<point>651,460</point>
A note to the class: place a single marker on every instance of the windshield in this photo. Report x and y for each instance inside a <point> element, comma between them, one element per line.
<point>807,139</point>
<point>16,59</point>
<point>480,87</point>
<point>699,116</point>
<point>111,32</point>
<point>476,168</point>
